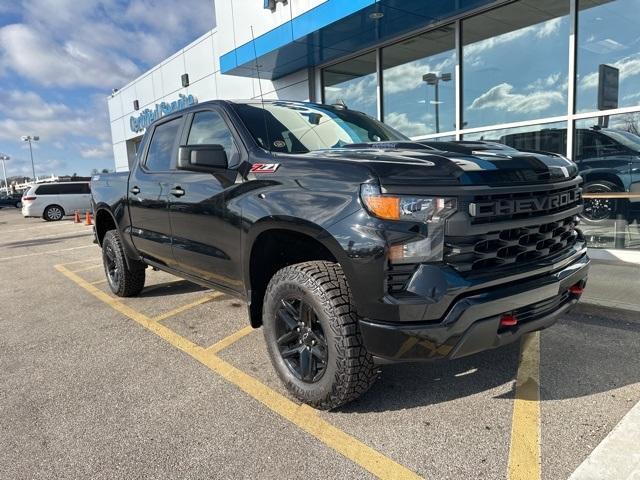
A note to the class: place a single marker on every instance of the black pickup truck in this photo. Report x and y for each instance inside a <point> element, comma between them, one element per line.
<point>351,244</point>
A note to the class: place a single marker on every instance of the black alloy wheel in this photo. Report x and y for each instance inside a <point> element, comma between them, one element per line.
<point>301,340</point>
<point>111,267</point>
<point>598,210</point>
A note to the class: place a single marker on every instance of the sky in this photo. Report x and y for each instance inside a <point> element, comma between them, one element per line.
<point>60,59</point>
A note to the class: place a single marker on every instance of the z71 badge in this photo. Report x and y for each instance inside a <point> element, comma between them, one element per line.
<point>264,167</point>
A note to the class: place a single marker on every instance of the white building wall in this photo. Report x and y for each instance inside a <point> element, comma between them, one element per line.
<point>200,60</point>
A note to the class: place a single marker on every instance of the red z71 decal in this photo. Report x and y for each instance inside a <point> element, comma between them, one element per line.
<point>264,167</point>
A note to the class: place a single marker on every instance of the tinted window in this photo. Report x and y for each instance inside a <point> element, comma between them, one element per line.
<point>418,83</point>
<point>515,62</point>
<point>161,147</point>
<point>353,82</point>
<point>48,190</point>
<point>210,128</point>
<point>73,188</point>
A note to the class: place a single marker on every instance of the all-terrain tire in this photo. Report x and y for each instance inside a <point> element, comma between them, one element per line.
<point>124,280</point>
<point>349,370</point>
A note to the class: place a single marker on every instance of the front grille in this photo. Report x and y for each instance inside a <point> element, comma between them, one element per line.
<point>515,206</point>
<point>500,248</point>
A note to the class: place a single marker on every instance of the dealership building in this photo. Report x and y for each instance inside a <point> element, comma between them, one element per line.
<point>559,76</point>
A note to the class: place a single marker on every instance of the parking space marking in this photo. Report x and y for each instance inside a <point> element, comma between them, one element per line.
<point>48,252</point>
<point>230,340</point>
<point>48,225</point>
<point>90,267</point>
<point>188,306</point>
<point>98,282</point>
<point>524,452</point>
<point>303,416</point>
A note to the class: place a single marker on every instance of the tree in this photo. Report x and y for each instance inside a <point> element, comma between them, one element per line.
<point>105,170</point>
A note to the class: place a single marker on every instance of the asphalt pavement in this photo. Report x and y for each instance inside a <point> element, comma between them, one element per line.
<point>172,384</point>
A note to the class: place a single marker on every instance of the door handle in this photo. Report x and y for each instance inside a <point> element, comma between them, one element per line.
<point>177,192</point>
<point>135,190</point>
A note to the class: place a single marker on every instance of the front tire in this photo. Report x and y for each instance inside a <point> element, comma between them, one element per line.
<point>312,335</point>
<point>124,280</point>
<point>53,213</point>
<point>599,210</point>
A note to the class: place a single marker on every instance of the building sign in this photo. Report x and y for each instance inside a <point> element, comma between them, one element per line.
<point>148,116</point>
<point>608,81</point>
<point>271,4</point>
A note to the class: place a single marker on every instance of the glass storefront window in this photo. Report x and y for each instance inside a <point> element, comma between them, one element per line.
<point>550,137</point>
<point>607,151</point>
<point>608,36</point>
<point>515,62</point>
<point>418,83</point>
<point>354,83</point>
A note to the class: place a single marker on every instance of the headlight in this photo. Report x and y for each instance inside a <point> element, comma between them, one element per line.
<point>432,211</point>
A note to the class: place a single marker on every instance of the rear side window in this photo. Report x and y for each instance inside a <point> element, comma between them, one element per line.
<point>74,188</point>
<point>161,146</point>
<point>48,190</point>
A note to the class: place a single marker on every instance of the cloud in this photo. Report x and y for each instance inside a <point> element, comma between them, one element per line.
<point>501,97</point>
<point>408,76</point>
<point>102,150</point>
<point>402,123</point>
<point>629,66</point>
<point>97,43</point>
<point>356,94</point>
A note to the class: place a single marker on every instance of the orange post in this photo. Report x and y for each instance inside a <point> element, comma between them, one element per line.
<point>87,219</point>
<point>76,217</point>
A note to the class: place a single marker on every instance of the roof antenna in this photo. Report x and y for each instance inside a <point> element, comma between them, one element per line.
<point>264,110</point>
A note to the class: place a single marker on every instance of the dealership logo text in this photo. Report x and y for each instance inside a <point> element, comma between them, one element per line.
<point>147,117</point>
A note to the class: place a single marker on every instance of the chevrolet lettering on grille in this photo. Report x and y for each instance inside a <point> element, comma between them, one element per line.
<point>514,206</point>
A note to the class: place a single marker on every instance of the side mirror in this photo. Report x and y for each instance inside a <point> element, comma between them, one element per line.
<point>202,158</point>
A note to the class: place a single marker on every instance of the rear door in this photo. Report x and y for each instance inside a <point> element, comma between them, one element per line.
<point>74,196</point>
<point>206,233</point>
<point>149,186</point>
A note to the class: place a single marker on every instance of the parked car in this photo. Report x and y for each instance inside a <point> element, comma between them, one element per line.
<point>350,243</point>
<point>52,201</point>
<point>13,200</point>
<point>608,160</point>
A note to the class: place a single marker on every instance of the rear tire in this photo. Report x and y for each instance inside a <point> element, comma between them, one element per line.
<point>312,335</point>
<point>53,213</point>
<point>124,280</point>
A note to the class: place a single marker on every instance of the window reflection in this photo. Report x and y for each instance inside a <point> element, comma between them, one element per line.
<point>353,83</point>
<point>608,35</point>
<point>514,62</point>
<point>550,137</point>
<point>419,84</point>
<point>607,151</point>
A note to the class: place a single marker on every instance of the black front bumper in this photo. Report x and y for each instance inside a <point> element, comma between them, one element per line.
<point>472,323</point>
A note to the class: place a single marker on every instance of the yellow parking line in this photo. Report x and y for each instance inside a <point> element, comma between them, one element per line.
<point>524,452</point>
<point>302,416</point>
<point>186,307</point>
<point>91,267</point>
<point>231,339</point>
<point>98,282</point>
<point>86,260</point>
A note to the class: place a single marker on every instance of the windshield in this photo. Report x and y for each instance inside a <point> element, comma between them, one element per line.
<point>627,139</point>
<point>305,127</point>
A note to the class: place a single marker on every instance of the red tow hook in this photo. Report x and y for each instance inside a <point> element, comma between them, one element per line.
<point>508,320</point>
<point>576,289</point>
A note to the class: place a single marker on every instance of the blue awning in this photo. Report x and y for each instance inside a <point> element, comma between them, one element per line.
<point>334,29</point>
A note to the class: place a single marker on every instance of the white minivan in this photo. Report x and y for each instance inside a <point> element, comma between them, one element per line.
<point>52,201</point>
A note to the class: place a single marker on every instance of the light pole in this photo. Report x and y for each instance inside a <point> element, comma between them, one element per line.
<point>31,138</point>
<point>4,157</point>
<point>434,79</point>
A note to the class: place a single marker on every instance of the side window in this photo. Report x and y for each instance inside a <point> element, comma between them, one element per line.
<point>210,128</point>
<point>161,147</point>
<point>48,190</point>
<point>72,188</point>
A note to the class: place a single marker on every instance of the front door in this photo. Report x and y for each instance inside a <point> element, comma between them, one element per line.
<point>206,230</point>
<point>149,187</point>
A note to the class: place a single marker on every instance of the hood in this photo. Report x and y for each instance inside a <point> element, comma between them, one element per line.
<point>413,163</point>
